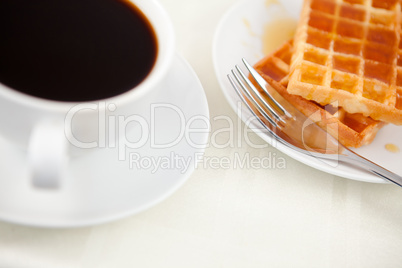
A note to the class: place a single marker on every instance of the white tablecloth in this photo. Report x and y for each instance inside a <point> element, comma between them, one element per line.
<point>252,217</point>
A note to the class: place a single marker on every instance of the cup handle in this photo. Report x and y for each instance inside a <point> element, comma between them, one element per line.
<point>47,155</point>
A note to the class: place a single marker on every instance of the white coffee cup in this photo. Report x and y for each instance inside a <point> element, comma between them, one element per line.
<point>46,128</point>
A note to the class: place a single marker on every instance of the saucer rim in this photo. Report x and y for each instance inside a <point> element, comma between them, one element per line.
<point>109,217</point>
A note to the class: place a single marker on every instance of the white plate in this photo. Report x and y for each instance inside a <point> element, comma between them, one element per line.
<point>240,33</point>
<point>100,187</point>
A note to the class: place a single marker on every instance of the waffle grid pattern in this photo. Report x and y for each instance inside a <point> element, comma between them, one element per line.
<point>352,130</point>
<point>350,52</point>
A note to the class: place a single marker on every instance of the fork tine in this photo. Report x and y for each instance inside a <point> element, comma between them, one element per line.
<point>257,94</point>
<point>273,123</point>
<point>249,97</point>
<point>271,131</point>
<point>262,83</point>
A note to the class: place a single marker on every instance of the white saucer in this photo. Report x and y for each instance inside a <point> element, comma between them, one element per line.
<point>239,34</point>
<point>100,188</point>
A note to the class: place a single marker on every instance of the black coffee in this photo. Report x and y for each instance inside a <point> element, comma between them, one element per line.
<point>74,50</point>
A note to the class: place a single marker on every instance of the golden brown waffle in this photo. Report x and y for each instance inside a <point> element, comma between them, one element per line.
<point>352,130</point>
<point>348,52</point>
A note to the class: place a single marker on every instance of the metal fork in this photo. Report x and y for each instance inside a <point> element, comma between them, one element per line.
<point>290,127</point>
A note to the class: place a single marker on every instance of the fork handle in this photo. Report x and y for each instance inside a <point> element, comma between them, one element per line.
<point>355,159</point>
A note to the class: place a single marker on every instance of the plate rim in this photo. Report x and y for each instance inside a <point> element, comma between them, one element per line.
<point>362,176</point>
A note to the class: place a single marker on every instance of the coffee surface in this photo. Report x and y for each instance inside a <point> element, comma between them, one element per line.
<point>74,50</point>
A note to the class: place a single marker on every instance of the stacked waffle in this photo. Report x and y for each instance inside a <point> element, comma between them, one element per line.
<point>343,69</point>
